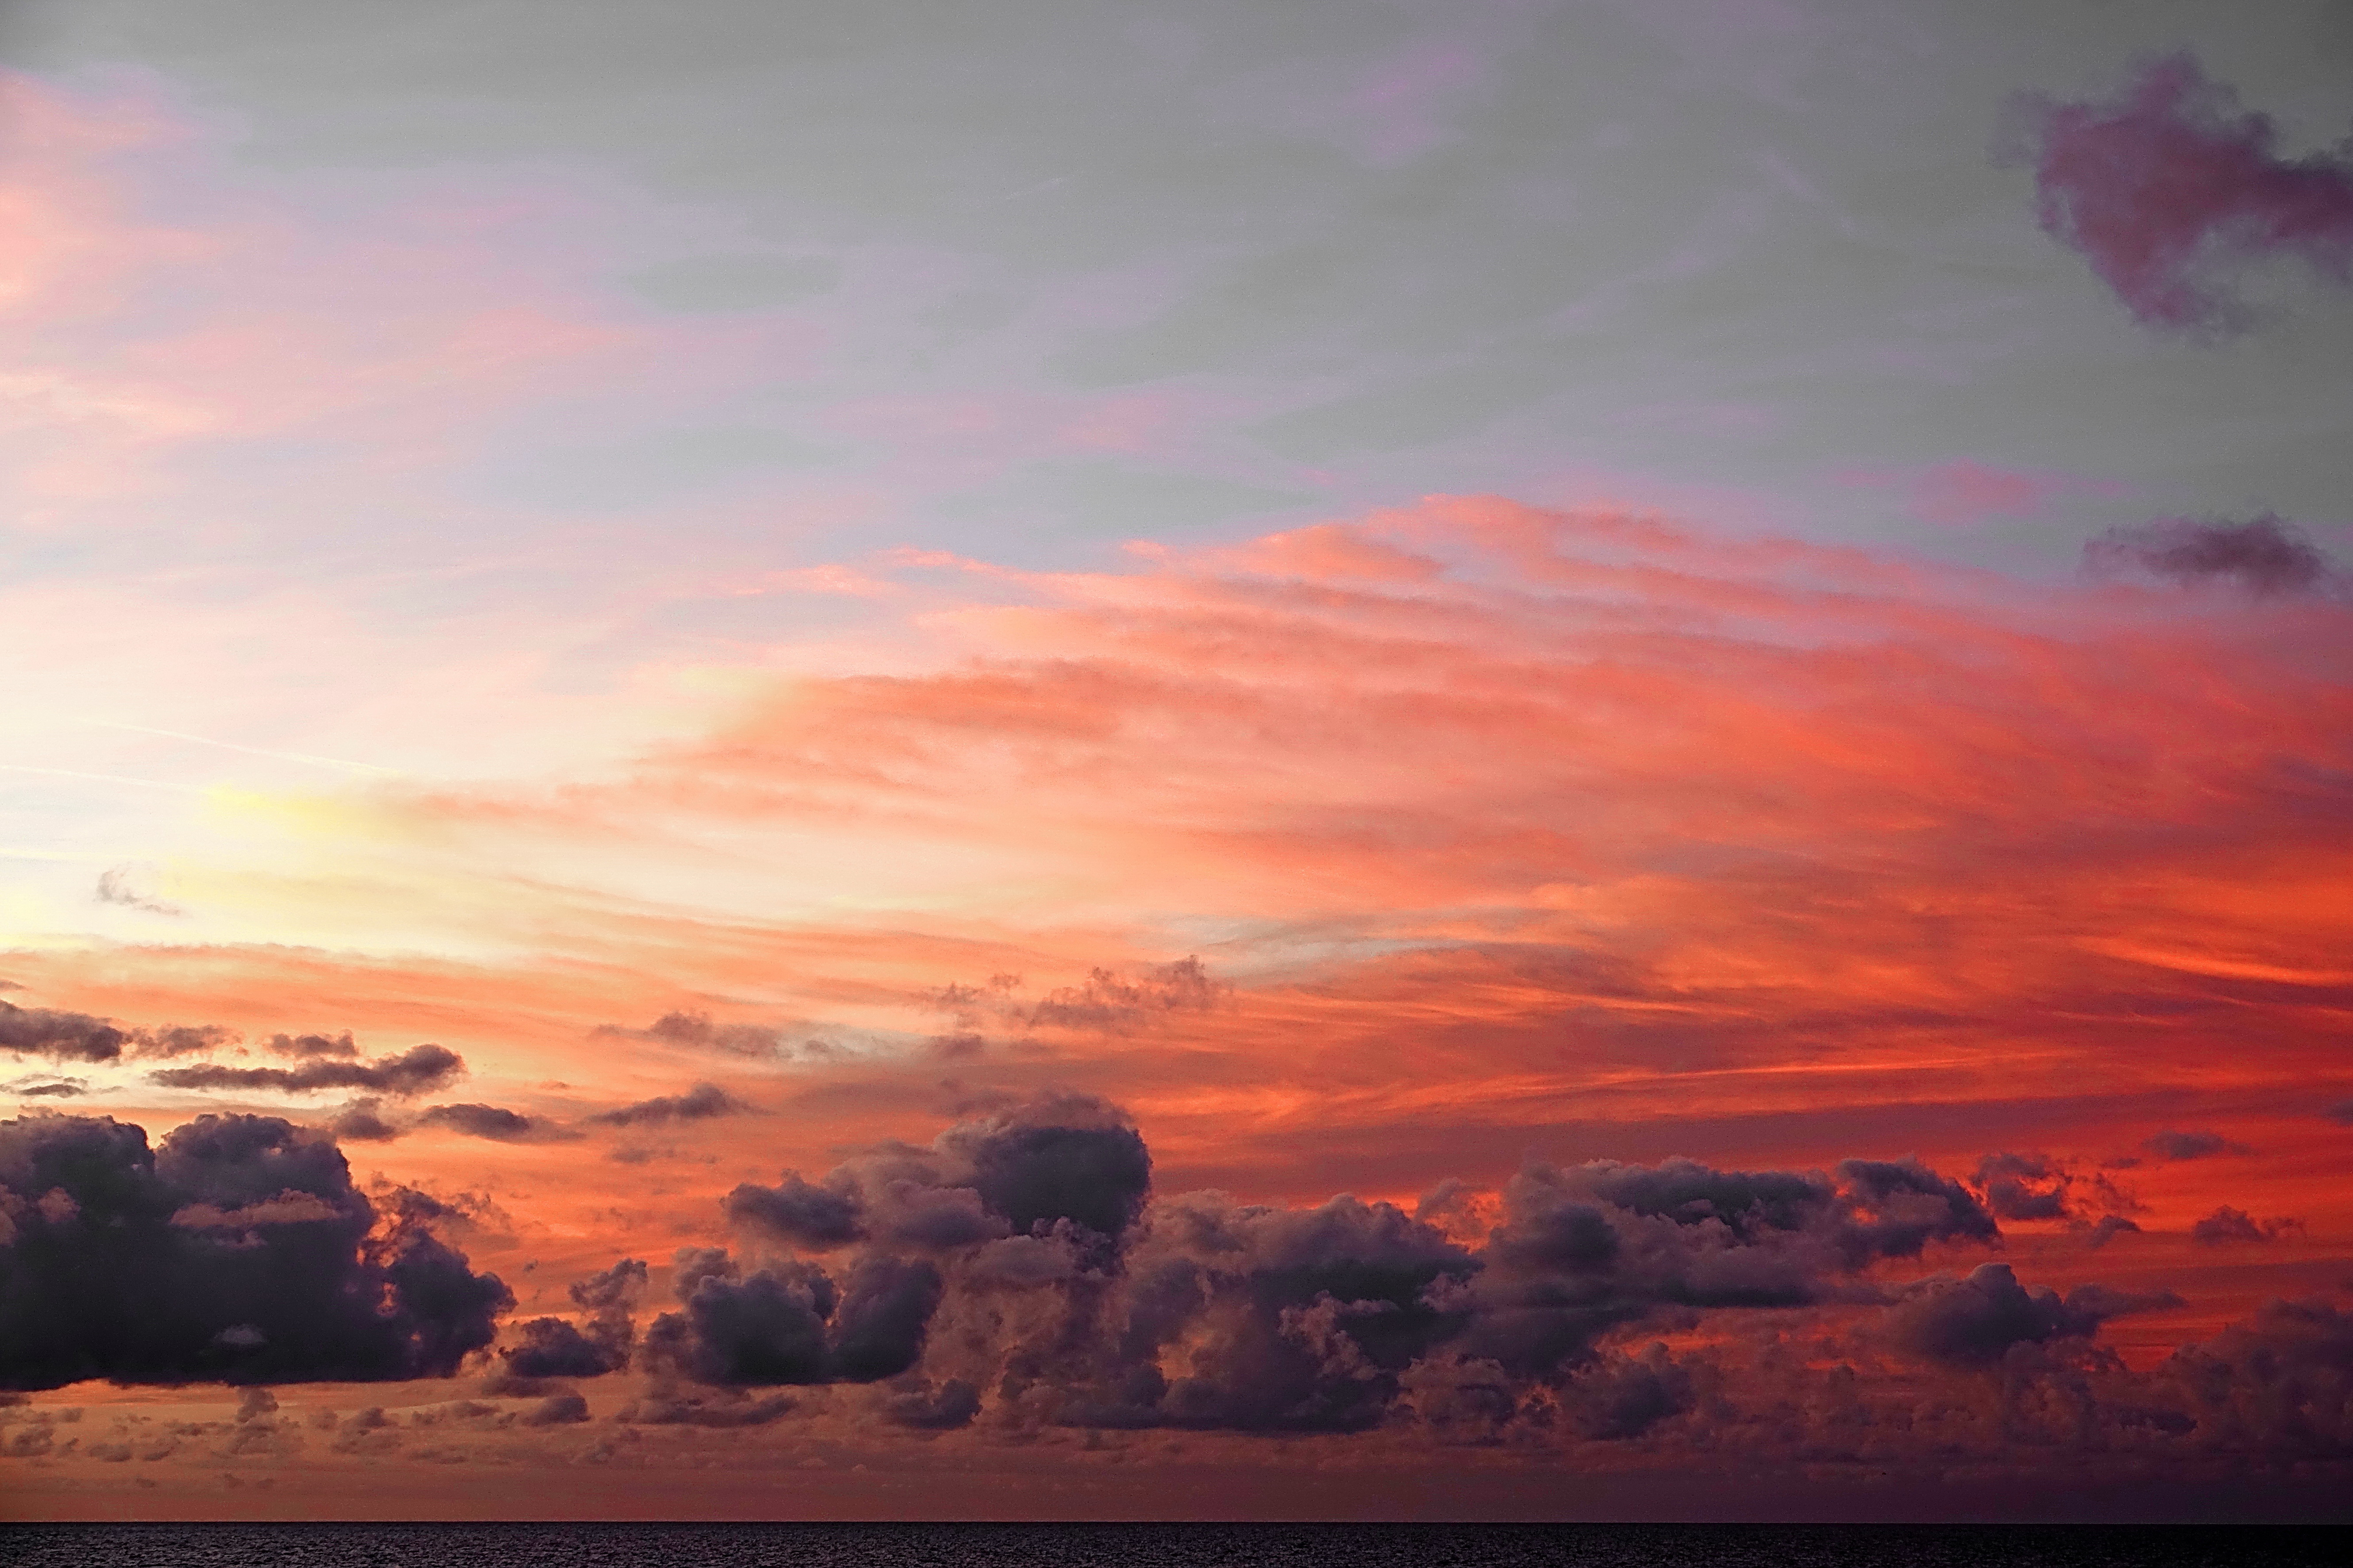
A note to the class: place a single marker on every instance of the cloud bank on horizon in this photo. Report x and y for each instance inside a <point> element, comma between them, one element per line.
<point>1520,921</point>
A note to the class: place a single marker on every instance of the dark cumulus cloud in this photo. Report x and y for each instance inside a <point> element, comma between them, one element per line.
<point>417,1070</point>
<point>495,1123</point>
<point>62,1035</point>
<point>790,1322</point>
<point>2263,555</point>
<point>1064,1166</point>
<point>2168,188</point>
<point>362,1121</point>
<point>1975,1321</point>
<point>1050,1191</point>
<point>59,1036</point>
<point>2227,1225</point>
<point>701,1103</point>
<point>236,1250</point>
<point>601,1342</point>
<point>1066,1294</point>
<point>2024,1186</point>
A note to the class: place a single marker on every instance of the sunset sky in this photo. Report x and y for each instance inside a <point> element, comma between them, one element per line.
<point>765,760</point>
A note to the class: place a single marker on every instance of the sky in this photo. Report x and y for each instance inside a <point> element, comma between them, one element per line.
<point>1339,759</point>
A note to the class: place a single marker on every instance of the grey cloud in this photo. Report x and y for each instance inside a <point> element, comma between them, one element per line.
<point>496,1124</point>
<point>765,1328</point>
<point>183,1040</point>
<point>950,1405</point>
<point>550,1347</point>
<point>696,1029</point>
<point>1975,1321</point>
<point>701,1103</point>
<point>62,1036</point>
<point>359,1122</point>
<point>2273,1385</point>
<point>1111,1002</point>
<point>418,1071</point>
<point>815,1217</point>
<point>1060,1162</point>
<point>38,1087</point>
<point>120,885</point>
<point>308,1045</point>
<point>886,1305</point>
<point>1047,1275</point>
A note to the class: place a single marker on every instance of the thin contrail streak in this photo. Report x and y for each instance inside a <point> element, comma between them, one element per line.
<point>233,746</point>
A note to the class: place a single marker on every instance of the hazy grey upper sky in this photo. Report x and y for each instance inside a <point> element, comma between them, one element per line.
<point>1750,257</point>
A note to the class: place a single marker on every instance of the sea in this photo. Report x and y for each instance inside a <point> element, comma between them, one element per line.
<point>1168,1546</point>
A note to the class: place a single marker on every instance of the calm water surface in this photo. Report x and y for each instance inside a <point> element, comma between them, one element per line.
<point>1161,1546</point>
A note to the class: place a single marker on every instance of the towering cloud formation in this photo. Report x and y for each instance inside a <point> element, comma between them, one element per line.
<point>237,1250</point>
<point>2165,186</point>
<point>1058,1286</point>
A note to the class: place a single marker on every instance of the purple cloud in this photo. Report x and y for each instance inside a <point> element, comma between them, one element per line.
<point>2163,186</point>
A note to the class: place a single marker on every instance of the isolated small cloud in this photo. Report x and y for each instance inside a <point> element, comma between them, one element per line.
<point>701,1103</point>
<point>496,1124</point>
<point>697,1030</point>
<point>125,886</point>
<point>2175,1146</point>
<point>2227,1226</point>
<point>2263,555</point>
<point>2167,189</point>
<point>418,1071</point>
<point>45,1086</point>
<point>2024,1186</point>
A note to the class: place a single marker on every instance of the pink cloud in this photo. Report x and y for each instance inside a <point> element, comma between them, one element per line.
<point>1964,491</point>
<point>166,308</point>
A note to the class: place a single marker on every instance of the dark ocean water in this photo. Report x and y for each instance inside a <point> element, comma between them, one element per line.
<point>1164,1546</point>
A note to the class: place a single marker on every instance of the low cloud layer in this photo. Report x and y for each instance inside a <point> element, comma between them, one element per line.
<point>2167,188</point>
<point>1024,1249</point>
<point>1016,1275</point>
